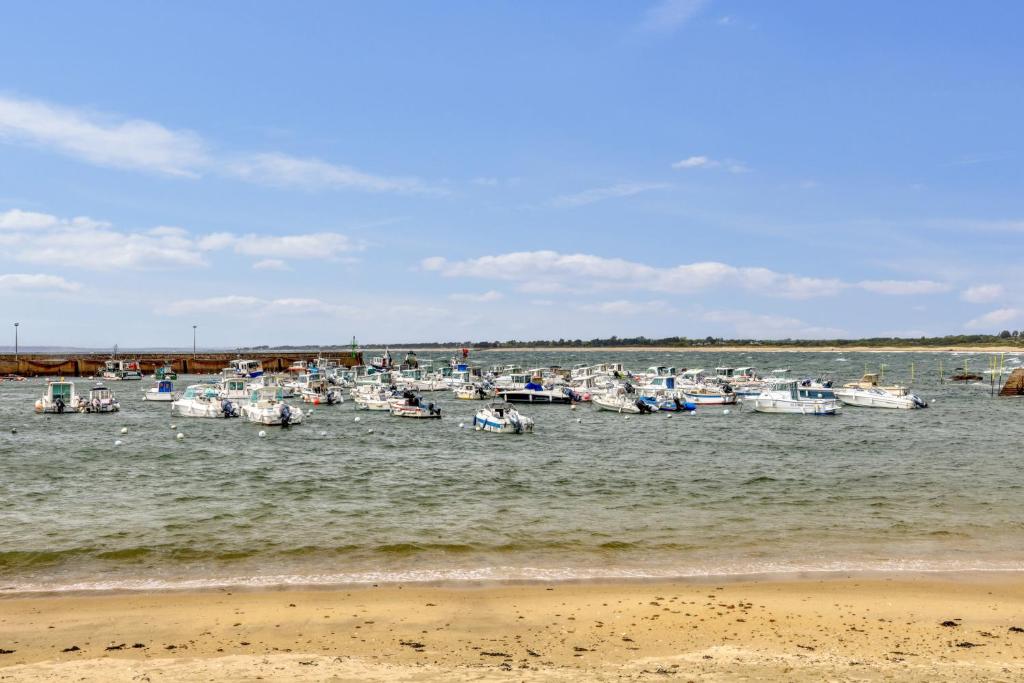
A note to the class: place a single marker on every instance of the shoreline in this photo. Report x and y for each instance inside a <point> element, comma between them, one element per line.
<point>801,628</point>
<point>756,349</point>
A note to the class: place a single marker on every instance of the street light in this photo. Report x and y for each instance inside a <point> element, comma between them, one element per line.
<point>194,341</point>
<point>16,342</point>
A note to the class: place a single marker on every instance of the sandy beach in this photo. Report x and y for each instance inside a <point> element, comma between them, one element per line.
<point>920,628</point>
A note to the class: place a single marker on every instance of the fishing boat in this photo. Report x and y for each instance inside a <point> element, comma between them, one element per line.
<point>623,403</point>
<point>473,392</point>
<point>536,393</point>
<point>369,398</point>
<point>875,397</point>
<point>203,400</point>
<point>163,390</point>
<point>100,400</point>
<point>121,370</point>
<point>319,392</point>
<point>244,367</point>
<point>784,397</point>
<point>705,395</point>
<point>165,372</point>
<point>870,380</point>
<point>233,388</point>
<point>60,398</point>
<point>412,406</point>
<point>266,406</point>
<point>502,418</point>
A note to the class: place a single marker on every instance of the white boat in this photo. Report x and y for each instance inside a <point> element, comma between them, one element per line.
<point>244,367</point>
<point>233,388</point>
<point>372,398</point>
<point>161,391</point>
<point>412,406</point>
<point>121,369</point>
<point>318,392</point>
<point>784,397</point>
<point>622,403</point>
<point>876,397</point>
<point>871,380</point>
<point>704,395</point>
<point>60,397</point>
<point>203,400</point>
<point>473,392</point>
<point>100,400</point>
<point>266,406</point>
<point>502,418</point>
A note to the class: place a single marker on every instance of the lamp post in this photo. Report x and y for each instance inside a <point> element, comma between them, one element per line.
<point>16,342</point>
<point>194,341</point>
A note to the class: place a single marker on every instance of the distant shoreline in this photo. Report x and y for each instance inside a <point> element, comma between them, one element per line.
<point>721,349</point>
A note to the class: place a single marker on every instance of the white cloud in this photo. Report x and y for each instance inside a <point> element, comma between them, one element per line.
<point>36,282</point>
<point>491,295</point>
<point>251,306</point>
<point>557,272</point>
<point>625,307</point>
<point>702,161</point>
<point>993,319</point>
<point>668,15</point>
<point>980,294</point>
<point>281,170</point>
<point>270,264</point>
<point>16,219</point>
<point>86,243</point>
<point>137,144</point>
<point>903,287</point>
<point>601,193</point>
<point>101,140</point>
<point>749,325</point>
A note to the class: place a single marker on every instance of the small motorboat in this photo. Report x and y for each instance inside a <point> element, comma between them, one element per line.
<point>536,393</point>
<point>672,404</point>
<point>165,372</point>
<point>706,395</point>
<point>100,400</point>
<point>60,398</point>
<point>318,391</point>
<point>876,397</point>
<point>473,392</point>
<point>410,405</point>
<point>266,406</point>
<point>624,403</point>
<point>784,397</point>
<point>203,400</point>
<point>370,398</point>
<point>161,391</point>
<point>502,418</point>
<point>233,389</point>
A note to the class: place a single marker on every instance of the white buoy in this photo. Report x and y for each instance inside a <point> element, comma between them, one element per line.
<point>725,412</point>
<point>579,420</point>
<point>323,433</point>
<point>627,417</point>
<point>118,442</point>
<point>174,426</point>
<point>572,407</point>
<point>179,436</point>
<point>14,430</point>
<point>357,419</point>
<point>124,430</point>
<point>462,425</point>
<point>369,431</point>
<point>262,433</point>
<point>668,414</point>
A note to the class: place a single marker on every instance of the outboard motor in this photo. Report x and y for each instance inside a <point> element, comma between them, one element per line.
<point>643,406</point>
<point>679,404</point>
<point>286,415</point>
<point>227,409</point>
<point>726,389</point>
<point>59,403</point>
<point>517,424</point>
<point>918,401</point>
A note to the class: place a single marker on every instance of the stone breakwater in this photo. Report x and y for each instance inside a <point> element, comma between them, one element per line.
<point>91,364</point>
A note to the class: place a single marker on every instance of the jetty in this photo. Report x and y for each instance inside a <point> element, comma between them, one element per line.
<point>92,364</point>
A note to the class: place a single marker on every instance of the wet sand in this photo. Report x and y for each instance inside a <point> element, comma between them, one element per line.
<point>941,627</point>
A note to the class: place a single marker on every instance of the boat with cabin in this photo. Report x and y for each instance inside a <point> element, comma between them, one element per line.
<point>411,405</point>
<point>875,397</point>
<point>60,398</point>
<point>203,400</point>
<point>100,400</point>
<point>501,418</point>
<point>266,406</point>
<point>783,396</point>
<point>162,390</point>
<point>244,367</point>
<point>121,370</point>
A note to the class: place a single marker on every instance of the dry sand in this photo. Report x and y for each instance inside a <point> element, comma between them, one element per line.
<point>852,628</point>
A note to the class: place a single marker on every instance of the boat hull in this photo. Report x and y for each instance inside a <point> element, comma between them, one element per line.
<point>861,399</point>
<point>543,397</point>
<point>791,407</point>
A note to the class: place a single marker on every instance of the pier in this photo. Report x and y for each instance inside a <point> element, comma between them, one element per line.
<point>92,364</point>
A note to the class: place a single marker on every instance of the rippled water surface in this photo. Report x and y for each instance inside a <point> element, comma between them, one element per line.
<point>588,494</point>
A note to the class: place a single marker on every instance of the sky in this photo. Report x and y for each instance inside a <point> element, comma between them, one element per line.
<point>281,173</point>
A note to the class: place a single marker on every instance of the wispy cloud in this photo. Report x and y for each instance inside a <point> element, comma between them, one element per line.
<point>996,318</point>
<point>82,242</point>
<point>270,264</point>
<point>101,139</point>
<point>625,307</point>
<point>701,161</point>
<point>136,144</point>
<point>38,282</point>
<point>904,287</point>
<point>602,193</point>
<point>747,324</point>
<point>254,306</point>
<point>669,15</point>
<point>980,294</point>
<point>491,295</point>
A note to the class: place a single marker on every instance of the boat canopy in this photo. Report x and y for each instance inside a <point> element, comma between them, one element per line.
<point>61,390</point>
<point>165,386</point>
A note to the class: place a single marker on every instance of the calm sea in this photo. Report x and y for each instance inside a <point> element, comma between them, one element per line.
<point>589,494</point>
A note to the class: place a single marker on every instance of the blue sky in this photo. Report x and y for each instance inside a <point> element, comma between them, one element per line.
<point>405,171</point>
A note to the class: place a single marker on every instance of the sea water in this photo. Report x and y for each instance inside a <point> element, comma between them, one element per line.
<point>589,494</point>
